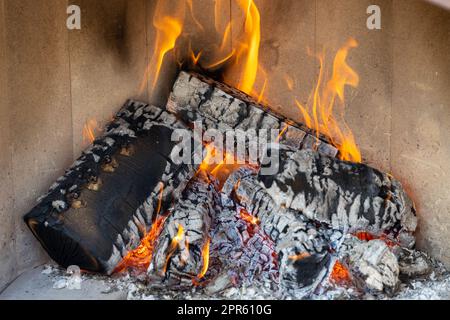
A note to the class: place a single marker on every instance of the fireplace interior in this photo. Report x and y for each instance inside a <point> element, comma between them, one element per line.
<point>360,205</point>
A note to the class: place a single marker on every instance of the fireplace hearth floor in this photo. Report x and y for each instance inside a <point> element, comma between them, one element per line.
<point>49,282</point>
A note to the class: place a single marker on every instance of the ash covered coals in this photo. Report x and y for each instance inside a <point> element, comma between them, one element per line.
<point>257,235</point>
<point>209,242</point>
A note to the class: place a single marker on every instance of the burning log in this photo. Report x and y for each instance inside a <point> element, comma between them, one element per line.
<point>207,236</point>
<point>347,196</point>
<point>302,245</point>
<point>105,203</point>
<point>305,244</point>
<point>241,250</point>
<point>197,98</point>
<point>180,255</point>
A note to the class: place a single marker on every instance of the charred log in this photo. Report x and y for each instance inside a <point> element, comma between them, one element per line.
<point>218,106</point>
<point>179,256</point>
<point>104,204</point>
<point>302,245</point>
<point>347,196</point>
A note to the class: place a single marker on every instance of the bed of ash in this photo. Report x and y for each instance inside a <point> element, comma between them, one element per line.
<point>436,286</point>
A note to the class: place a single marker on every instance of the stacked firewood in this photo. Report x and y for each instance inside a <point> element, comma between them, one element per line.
<point>290,229</point>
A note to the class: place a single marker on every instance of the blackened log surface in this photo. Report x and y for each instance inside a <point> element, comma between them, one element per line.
<point>104,204</point>
<point>219,106</point>
<point>347,196</point>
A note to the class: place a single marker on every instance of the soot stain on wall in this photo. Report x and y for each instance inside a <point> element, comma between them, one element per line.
<point>108,22</point>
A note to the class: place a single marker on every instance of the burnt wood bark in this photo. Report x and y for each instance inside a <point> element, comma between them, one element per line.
<point>106,202</point>
<point>308,247</point>
<point>177,258</point>
<point>303,245</point>
<point>198,98</point>
<point>347,196</point>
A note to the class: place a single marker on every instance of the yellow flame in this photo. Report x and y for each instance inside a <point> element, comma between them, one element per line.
<point>221,61</point>
<point>196,57</point>
<point>306,117</point>
<point>219,17</point>
<point>320,115</point>
<point>247,54</point>
<point>205,258</point>
<point>249,218</point>
<point>174,245</point>
<point>90,130</point>
<point>168,30</point>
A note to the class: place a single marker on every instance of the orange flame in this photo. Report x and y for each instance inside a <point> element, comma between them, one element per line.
<point>219,19</point>
<point>218,164</point>
<point>247,54</point>
<point>140,257</point>
<point>205,258</point>
<point>196,57</point>
<point>90,130</point>
<point>173,246</point>
<point>247,217</point>
<point>168,30</point>
<point>194,18</point>
<point>320,114</point>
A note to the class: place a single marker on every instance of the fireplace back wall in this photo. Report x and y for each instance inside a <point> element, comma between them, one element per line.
<point>53,80</point>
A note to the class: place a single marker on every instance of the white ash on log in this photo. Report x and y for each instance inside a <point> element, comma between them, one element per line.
<point>372,264</point>
<point>347,196</point>
<point>303,246</point>
<point>178,256</point>
<point>241,252</point>
<point>105,203</point>
<point>218,106</point>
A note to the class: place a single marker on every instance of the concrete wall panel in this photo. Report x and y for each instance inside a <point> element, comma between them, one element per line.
<point>421,117</point>
<point>107,60</point>
<point>7,252</point>
<point>39,108</point>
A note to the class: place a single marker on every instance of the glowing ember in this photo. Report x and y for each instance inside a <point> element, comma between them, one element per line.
<point>367,236</point>
<point>140,257</point>
<point>299,256</point>
<point>340,274</point>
